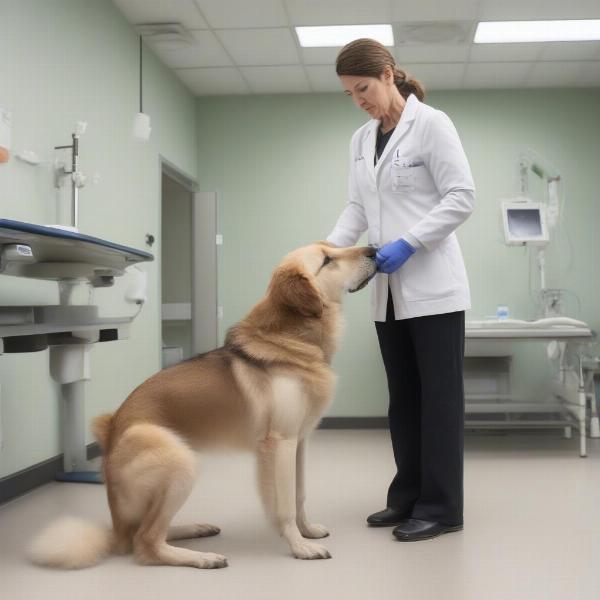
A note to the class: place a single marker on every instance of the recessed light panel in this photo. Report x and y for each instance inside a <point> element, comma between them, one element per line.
<point>340,35</point>
<point>511,32</point>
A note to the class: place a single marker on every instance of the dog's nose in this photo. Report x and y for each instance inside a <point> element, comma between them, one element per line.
<point>371,251</point>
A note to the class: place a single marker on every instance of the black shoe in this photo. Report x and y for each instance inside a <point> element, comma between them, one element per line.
<point>414,530</point>
<point>386,518</point>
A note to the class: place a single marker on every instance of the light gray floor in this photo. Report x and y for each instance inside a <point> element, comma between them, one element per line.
<point>532,531</point>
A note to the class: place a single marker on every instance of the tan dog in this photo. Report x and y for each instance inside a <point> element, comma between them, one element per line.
<point>264,390</point>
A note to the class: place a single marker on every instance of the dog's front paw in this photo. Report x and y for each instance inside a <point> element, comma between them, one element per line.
<point>313,531</point>
<point>209,560</point>
<point>309,551</point>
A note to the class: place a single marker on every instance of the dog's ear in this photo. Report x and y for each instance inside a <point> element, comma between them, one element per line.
<point>292,288</point>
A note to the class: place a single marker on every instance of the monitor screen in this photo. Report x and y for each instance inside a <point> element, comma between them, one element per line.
<point>524,222</point>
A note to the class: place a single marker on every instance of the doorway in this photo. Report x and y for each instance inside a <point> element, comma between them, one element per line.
<point>188,268</point>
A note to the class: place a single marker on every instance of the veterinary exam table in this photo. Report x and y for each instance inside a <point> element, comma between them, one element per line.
<point>69,331</point>
<point>489,341</point>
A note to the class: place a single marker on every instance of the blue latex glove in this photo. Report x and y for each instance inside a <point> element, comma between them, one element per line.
<point>392,256</point>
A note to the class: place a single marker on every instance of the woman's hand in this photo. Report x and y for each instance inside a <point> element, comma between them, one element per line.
<point>393,255</point>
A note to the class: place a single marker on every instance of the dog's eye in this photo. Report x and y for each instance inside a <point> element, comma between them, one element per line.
<point>327,260</point>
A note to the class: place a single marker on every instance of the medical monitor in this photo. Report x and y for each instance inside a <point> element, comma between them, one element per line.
<point>524,223</point>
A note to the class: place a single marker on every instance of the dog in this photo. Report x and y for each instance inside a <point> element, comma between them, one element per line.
<point>264,390</point>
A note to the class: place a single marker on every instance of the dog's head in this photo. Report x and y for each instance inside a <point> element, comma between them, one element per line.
<point>321,273</point>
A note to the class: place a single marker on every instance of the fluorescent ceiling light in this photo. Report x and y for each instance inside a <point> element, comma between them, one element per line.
<point>510,32</point>
<point>340,35</point>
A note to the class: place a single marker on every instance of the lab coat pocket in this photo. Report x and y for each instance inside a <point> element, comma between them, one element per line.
<point>401,178</point>
<point>406,178</point>
<point>427,276</point>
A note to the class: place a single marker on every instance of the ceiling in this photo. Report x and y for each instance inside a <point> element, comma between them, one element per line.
<point>250,46</point>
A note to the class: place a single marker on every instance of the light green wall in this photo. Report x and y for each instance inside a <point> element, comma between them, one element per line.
<point>279,165</point>
<point>65,61</point>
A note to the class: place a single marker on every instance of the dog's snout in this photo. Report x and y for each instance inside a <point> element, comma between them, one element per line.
<point>371,251</point>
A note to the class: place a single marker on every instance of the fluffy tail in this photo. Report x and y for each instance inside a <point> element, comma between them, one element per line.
<point>101,429</point>
<point>71,543</point>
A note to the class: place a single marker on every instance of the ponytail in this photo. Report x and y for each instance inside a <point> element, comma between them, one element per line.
<point>407,85</point>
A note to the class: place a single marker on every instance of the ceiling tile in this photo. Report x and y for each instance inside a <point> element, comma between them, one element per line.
<point>338,12</point>
<point>319,56</point>
<point>430,54</point>
<point>233,14</point>
<point>496,75</point>
<point>205,51</point>
<point>255,36</point>
<point>158,11</point>
<point>434,10</point>
<point>323,79</point>
<point>570,51</point>
<point>276,80</point>
<point>204,82</point>
<point>250,47</point>
<point>443,76</point>
<point>518,10</point>
<point>506,52</point>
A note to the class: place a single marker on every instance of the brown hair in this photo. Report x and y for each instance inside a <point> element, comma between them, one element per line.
<point>366,57</point>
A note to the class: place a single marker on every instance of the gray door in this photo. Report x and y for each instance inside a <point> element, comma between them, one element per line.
<point>204,272</point>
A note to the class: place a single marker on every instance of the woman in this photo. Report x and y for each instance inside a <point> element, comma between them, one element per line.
<point>411,187</point>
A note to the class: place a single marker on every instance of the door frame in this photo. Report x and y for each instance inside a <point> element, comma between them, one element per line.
<point>204,301</point>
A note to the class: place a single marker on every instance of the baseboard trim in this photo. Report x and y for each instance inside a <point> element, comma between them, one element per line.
<point>24,481</point>
<point>354,423</point>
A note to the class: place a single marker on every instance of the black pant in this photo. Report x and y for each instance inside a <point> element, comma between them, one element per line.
<point>423,360</point>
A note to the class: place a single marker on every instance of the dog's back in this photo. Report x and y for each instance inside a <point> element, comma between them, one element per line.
<point>199,398</point>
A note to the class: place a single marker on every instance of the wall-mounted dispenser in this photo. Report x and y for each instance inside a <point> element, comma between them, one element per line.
<point>5,130</point>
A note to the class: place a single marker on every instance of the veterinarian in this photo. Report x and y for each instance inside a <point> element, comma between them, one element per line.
<point>410,187</point>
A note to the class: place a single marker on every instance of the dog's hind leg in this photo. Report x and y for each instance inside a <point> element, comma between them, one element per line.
<point>187,532</point>
<point>123,542</point>
<point>150,545</point>
<point>277,471</point>
<point>156,480</point>
<point>123,529</point>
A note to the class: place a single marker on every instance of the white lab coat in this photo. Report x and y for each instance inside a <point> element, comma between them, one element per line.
<point>421,189</point>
